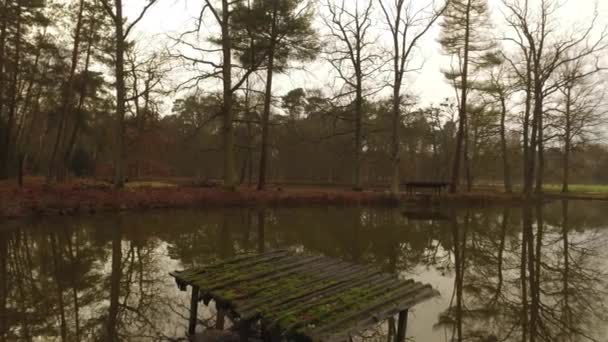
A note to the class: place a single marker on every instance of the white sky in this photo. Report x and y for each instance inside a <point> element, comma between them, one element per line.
<point>176,16</point>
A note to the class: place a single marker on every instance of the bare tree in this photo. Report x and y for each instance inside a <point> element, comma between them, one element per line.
<point>121,35</point>
<point>353,57</point>
<point>407,23</point>
<point>94,25</point>
<point>580,110</point>
<point>67,94</point>
<point>222,14</point>
<point>146,75</point>
<point>545,50</point>
<point>499,89</point>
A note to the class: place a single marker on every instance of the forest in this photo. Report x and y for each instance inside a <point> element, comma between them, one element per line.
<point>84,94</point>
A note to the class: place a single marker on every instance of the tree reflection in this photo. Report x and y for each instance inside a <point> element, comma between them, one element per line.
<point>518,274</point>
<point>539,285</point>
<point>3,285</point>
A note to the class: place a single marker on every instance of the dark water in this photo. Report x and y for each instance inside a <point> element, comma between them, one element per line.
<point>106,277</point>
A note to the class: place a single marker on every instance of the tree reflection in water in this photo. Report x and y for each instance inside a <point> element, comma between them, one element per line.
<point>506,274</point>
<point>545,282</point>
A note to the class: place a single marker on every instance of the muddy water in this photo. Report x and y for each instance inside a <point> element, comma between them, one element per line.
<point>504,274</point>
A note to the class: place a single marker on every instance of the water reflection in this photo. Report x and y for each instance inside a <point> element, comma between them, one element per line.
<point>505,274</point>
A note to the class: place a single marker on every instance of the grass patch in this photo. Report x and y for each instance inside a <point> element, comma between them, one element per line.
<point>580,188</point>
<point>149,184</point>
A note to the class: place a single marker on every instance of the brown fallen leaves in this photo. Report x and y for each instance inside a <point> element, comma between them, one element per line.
<point>74,199</point>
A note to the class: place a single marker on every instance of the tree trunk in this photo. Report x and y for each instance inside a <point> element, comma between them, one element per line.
<point>530,167</point>
<point>121,152</point>
<point>567,143</point>
<point>566,170</point>
<point>25,109</point>
<point>267,100</point>
<point>396,123</point>
<point>535,264</point>
<point>29,132</point>
<point>115,277</point>
<point>528,155</point>
<point>459,241</point>
<point>357,185</point>
<point>500,257</point>
<point>526,227</point>
<point>78,120</point>
<point>138,118</point>
<point>59,286</point>
<point>12,105</point>
<point>508,183</point>
<point>21,161</point>
<point>3,33</point>
<point>535,137</point>
<point>467,156</point>
<point>541,151</point>
<point>66,98</point>
<point>228,128</point>
<point>462,112</point>
<point>358,110</point>
<point>567,310</point>
<point>249,137</point>
<point>3,285</point>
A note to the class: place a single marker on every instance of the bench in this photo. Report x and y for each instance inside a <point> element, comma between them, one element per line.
<point>436,187</point>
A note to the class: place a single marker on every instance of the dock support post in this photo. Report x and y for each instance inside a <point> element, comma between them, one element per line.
<point>221,316</point>
<point>264,334</point>
<point>401,327</point>
<point>244,331</point>
<point>193,311</point>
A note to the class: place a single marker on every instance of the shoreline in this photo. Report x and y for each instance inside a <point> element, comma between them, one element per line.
<point>65,200</point>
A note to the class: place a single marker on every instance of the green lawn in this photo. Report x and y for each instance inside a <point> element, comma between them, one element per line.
<point>580,188</point>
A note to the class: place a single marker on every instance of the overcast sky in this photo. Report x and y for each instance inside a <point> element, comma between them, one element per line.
<point>175,16</point>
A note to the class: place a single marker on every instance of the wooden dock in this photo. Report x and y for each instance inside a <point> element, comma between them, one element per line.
<point>302,297</point>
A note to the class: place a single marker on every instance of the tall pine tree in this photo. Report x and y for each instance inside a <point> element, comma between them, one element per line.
<point>464,36</point>
<point>272,33</point>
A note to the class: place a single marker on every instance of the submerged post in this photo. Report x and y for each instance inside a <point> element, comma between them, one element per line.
<point>193,311</point>
<point>401,327</point>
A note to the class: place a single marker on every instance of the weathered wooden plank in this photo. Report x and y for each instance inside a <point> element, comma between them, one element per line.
<point>353,327</point>
<point>269,269</point>
<point>376,312</point>
<point>317,284</point>
<point>369,307</point>
<point>337,304</point>
<point>263,283</point>
<point>247,289</point>
<point>206,279</point>
<point>314,299</point>
<point>232,261</point>
<point>214,272</point>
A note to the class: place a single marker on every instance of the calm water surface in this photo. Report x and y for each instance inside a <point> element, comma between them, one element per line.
<point>504,274</point>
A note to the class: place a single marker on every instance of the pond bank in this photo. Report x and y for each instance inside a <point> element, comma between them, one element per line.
<point>38,200</point>
<point>69,200</point>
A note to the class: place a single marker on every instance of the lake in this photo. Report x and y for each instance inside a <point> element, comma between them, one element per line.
<point>504,274</point>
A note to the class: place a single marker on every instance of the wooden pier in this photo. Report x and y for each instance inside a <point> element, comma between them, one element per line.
<point>285,295</point>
